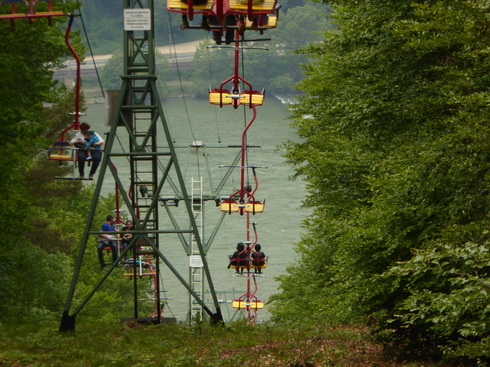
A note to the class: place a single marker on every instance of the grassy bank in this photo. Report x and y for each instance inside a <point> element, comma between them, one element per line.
<point>199,345</point>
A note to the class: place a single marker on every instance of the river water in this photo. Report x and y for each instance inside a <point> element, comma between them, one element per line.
<point>279,227</point>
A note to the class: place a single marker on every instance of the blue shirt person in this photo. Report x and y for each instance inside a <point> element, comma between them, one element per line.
<point>107,240</point>
<point>91,138</point>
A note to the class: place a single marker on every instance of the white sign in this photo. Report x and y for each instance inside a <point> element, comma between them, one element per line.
<point>195,261</point>
<point>137,19</point>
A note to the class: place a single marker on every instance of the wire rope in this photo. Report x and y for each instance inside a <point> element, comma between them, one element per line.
<point>165,298</point>
<point>211,77</point>
<point>97,71</point>
<point>90,49</point>
<point>95,65</point>
<point>172,39</point>
<point>180,79</point>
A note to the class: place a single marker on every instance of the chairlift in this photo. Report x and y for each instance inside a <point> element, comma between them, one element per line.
<point>260,14</point>
<point>144,265</point>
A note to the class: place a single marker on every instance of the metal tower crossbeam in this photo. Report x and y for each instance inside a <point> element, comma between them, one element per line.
<point>140,115</point>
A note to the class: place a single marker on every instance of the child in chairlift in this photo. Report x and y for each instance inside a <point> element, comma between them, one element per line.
<point>91,138</point>
<point>258,258</point>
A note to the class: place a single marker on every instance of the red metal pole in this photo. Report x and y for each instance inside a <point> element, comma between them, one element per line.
<point>244,151</point>
<point>77,82</point>
<point>236,79</point>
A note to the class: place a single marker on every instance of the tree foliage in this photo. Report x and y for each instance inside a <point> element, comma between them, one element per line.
<point>395,142</point>
<point>42,218</point>
<point>32,260</point>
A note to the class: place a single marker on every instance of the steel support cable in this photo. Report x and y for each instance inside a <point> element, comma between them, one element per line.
<point>182,89</point>
<point>211,77</point>
<point>95,65</point>
<point>180,78</point>
<point>90,49</point>
<point>170,50</point>
<point>165,298</point>
<point>96,69</point>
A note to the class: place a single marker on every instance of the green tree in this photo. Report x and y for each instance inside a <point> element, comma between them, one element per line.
<point>300,26</point>
<point>34,242</point>
<point>395,141</point>
<point>42,218</point>
<point>25,83</point>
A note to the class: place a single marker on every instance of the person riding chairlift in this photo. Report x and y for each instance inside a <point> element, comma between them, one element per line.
<point>238,259</point>
<point>79,141</point>
<point>258,258</point>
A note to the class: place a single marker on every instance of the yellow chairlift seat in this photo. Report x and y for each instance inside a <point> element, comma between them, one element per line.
<point>41,14</point>
<point>27,9</point>
<point>25,2</point>
<point>224,97</point>
<point>251,304</point>
<point>220,97</point>
<point>264,6</point>
<point>242,266</point>
<point>60,157</point>
<point>180,5</point>
<point>254,207</point>
<point>60,151</point>
<point>229,206</point>
<point>140,272</point>
<point>144,268</point>
<point>255,98</point>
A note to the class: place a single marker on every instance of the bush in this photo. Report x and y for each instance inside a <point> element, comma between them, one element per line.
<point>448,302</point>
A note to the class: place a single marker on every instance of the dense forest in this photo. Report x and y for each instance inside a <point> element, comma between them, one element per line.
<point>396,154</point>
<point>43,218</point>
<point>393,120</point>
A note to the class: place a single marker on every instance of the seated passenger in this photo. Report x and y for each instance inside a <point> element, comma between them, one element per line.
<point>107,240</point>
<point>80,142</point>
<point>238,258</point>
<point>127,237</point>
<point>229,34</point>
<point>184,22</point>
<point>258,258</point>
